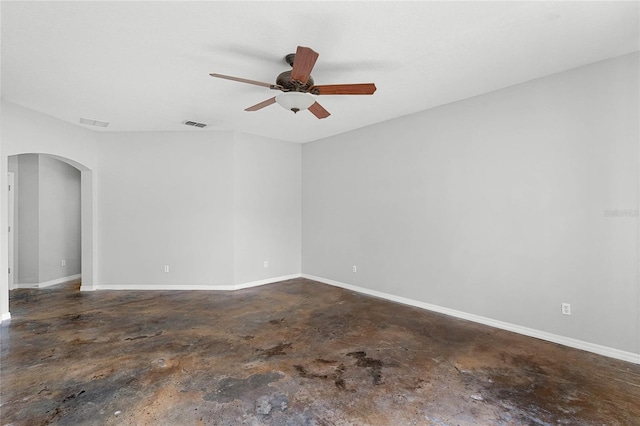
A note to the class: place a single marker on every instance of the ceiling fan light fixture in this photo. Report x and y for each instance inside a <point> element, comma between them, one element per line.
<point>295,101</point>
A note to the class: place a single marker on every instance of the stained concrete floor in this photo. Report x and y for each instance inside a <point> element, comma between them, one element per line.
<point>292,353</point>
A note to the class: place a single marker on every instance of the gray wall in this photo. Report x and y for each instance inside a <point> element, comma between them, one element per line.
<point>267,208</point>
<point>493,206</point>
<point>27,228</point>
<point>59,219</point>
<point>211,205</point>
<point>165,199</point>
<point>47,220</point>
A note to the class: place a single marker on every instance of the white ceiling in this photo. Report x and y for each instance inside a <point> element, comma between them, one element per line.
<point>144,66</point>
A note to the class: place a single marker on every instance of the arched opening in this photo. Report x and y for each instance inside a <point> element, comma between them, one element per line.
<point>87,220</point>
<point>44,226</point>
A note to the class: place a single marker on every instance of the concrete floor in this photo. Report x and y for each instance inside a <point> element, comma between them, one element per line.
<point>291,353</point>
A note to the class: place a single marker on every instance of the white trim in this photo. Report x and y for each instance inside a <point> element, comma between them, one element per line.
<point>135,287</point>
<point>5,316</point>
<point>562,340</point>
<point>267,281</point>
<point>48,283</point>
<point>191,286</point>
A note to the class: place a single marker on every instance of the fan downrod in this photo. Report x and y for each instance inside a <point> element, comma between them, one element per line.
<point>290,58</point>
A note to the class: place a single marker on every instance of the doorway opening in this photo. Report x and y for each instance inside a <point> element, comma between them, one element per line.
<point>59,266</point>
<point>46,230</point>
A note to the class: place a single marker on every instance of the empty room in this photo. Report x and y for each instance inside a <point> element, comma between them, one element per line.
<point>320,213</point>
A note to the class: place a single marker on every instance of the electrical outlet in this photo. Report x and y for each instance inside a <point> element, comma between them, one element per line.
<point>63,262</point>
<point>166,268</point>
<point>266,263</point>
<point>355,268</point>
<point>566,309</point>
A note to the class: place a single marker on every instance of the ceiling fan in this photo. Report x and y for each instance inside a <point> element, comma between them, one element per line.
<point>298,86</point>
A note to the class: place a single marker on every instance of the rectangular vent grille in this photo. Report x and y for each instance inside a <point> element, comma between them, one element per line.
<point>195,124</point>
<point>91,122</point>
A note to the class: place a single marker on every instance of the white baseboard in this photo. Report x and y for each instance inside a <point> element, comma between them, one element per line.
<point>266,281</point>
<point>550,337</point>
<point>5,316</point>
<point>230,287</point>
<point>48,283</point>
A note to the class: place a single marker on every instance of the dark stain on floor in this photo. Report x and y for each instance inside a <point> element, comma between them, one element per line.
<point>278,349</point>
<point>231,388</point>
<point>374,365</point>
<point>291,353</point>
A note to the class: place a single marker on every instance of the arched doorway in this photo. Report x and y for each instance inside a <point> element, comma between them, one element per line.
<point>44,235</point>
<point>87,223</point>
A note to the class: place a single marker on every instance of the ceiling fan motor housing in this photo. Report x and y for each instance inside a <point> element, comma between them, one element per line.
<point>284,80</point>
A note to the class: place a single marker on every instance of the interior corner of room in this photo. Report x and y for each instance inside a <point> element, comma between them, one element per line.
<point>498,220</point>
<point>493,177</point>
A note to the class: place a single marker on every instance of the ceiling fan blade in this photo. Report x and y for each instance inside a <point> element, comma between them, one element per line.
<point>317,110</point>
<point>303,64</point>
<point>262,104</point>
<point>244,80</point>
<point>344,89</point>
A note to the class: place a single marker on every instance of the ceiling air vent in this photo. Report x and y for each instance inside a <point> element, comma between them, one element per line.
<point>91,122</point>
<point>195,124</point>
